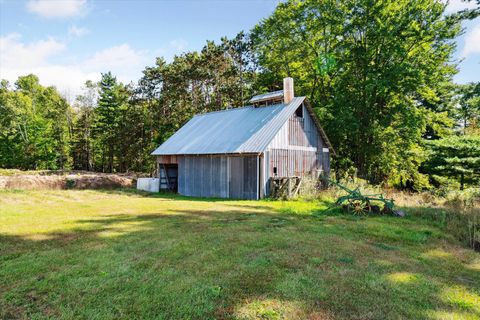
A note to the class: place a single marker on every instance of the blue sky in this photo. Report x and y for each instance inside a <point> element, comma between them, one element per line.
<point>66,42</point>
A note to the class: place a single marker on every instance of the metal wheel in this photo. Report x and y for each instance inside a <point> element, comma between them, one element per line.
<point>358,207</point>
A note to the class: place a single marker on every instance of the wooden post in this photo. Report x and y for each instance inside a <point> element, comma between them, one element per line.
<point>258,177</point>
<point>299,181</point>
<point>272,187</point>
<point>289,187</point>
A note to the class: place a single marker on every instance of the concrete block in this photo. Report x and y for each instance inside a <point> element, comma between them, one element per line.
<point>148,184</point>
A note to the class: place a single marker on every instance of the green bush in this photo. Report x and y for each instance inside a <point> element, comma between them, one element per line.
<point>70,183</point>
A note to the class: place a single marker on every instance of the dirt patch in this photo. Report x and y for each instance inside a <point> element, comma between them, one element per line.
<point>68,181</point>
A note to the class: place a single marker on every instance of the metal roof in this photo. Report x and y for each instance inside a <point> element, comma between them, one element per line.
<point>241,130</point>
<point>267,96</point>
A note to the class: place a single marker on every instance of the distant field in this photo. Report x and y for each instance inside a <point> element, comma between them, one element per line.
<point>75,254</point>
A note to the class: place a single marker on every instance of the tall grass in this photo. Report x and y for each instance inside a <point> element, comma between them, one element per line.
<point>464,212</point>
<point>457,212</point>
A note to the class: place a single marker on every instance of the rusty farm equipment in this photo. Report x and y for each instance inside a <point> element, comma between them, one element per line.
<point>356,202</point>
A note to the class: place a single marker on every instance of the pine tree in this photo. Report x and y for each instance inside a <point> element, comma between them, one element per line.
<point>108,119</point>
<point>454,160</point>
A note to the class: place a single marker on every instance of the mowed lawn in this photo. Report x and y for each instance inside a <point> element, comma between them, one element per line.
<point>122,254</point>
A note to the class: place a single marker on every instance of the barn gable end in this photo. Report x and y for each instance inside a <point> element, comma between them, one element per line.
<point>234,153</point>
<point>297,149</point>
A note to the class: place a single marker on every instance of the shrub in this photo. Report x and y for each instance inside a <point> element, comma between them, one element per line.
<point>70,183</point>
<point>464,207</point>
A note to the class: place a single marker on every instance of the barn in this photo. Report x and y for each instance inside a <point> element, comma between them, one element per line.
<point>234,153</point>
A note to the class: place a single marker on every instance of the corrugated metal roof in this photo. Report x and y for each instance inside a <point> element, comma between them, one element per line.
<point>241,130</point>
<point>267,96</point>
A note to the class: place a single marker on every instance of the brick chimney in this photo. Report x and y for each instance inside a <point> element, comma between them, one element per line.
<point>288,93</point>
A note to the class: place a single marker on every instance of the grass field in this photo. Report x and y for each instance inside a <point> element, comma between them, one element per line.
<point>122,254</point>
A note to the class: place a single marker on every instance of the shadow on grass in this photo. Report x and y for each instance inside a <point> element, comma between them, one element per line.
<point>453,223</point>
<point>227,264</point>
<point>162,195</point>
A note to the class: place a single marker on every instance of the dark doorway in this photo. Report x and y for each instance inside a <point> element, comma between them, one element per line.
<point>168,177</point>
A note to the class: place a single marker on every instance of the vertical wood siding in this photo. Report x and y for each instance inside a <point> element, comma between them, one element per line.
<point>218,176</point>
<point>292,162</point>
<point>296,132</point>
<point>296,150</point>
<point>302,132</point>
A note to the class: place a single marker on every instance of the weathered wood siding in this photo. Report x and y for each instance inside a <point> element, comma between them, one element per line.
<point>297,132</point>
<point>297,149</point>
<point>203,176</point>
<point>243,177</point>
<point>218,176</point>
<point>292,162</point>
<point>167,159</point>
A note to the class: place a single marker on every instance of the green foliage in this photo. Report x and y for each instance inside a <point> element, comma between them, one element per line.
<point>454,160</point>
<point>70,183</point>
<point>468,108</point>
<point>325,63</point>
<point>82,150</point>
<point>34,126</point>
<point>110,113</point>
<point>113,127</point>
<point>378,73</point>
<point>386,87</point>
<point>195,82</point>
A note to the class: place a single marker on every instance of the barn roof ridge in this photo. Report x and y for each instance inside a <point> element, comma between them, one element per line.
<point>230,109</point>
<point>248,129</point>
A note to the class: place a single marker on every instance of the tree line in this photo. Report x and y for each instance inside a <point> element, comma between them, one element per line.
<point>378,73</point>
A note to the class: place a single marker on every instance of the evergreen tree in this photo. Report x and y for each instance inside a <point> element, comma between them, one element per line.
<point>468,109</point>
<point>216,78</point>
<point>112,103</point>
<point>454,160</point>
<point>375,72</point>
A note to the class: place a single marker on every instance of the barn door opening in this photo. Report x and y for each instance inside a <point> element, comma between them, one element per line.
<point>168,177</point>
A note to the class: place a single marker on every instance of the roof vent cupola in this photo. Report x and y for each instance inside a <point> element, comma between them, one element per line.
<point>276,97</point>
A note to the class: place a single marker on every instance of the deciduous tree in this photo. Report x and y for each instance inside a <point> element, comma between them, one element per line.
<point>374,71</point>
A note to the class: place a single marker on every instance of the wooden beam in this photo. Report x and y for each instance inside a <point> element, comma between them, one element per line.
<point>298,186</point>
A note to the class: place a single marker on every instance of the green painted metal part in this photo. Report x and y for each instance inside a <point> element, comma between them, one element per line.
<point>364,201</point>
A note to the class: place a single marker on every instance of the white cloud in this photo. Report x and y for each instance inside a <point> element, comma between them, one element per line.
<point>458,5</point>
<point>68,79</point>
<point>119,56</point>
<point>77,31</point>
<point>19,58</point>
<point>472,42</point>
<point>14,53</point>
<point>51,61</point>
<point>57,9</point>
